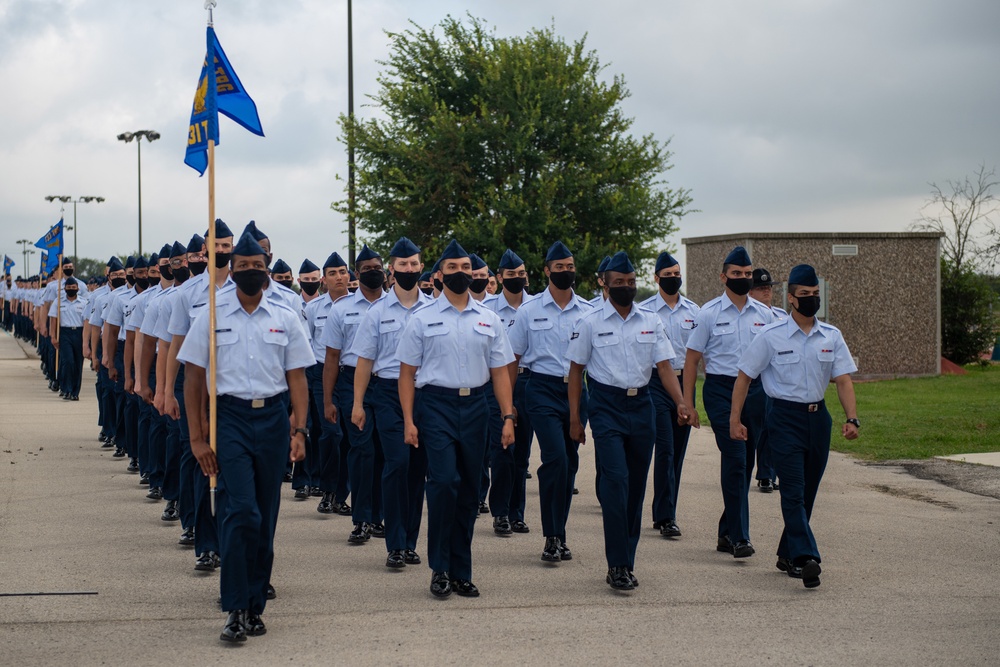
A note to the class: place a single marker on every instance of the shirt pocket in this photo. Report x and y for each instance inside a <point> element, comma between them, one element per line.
<point>826,356</point>
<point>603,339</point>
<point>687,325</point>
<point>432,330</point>
<point>786,359</point>
<point>389,326</point>
<point>540,324</point>
<point>723,329</point>
<point>275,337</point>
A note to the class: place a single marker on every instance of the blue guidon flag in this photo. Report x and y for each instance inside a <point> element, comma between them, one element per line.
<point>52,243</point>
<point>8,264</point>
<point>227,96</point>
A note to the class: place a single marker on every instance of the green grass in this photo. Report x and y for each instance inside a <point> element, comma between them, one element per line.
<point>918,418</point>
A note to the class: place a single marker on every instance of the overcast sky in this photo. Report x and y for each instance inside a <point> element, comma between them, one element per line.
<point>785,115</point>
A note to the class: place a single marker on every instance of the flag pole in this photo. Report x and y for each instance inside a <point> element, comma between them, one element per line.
<point>213,481</point>
<point>59,293</point>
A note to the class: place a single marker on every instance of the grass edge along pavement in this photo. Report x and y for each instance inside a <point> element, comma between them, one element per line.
<point>918,418</point>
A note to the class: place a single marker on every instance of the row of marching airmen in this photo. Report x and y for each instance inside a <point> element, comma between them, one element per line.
<point>387,384</point>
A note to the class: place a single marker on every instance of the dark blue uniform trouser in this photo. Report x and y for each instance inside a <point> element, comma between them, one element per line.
<point>548,409</point>
<point>118,392</point>
<point>154,455</point>
<point>671,446</point>
<point>765,464</point>
<point>737,455</point>
<point>452,431</point>
<point>800,444</point>
<point>172,460</point>
<point>252,447</point>
<point>404,473</point>
<point>195,503</point>
<point>624,429</point>
<point>105,394</point>
<point>364,459</point>
<point>70,360</point>
<point>509,467</point>
<point>332,476</point>
<point>306,473</point>
<point>98,390</point>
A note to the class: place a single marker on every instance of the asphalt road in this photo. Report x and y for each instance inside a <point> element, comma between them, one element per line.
<point>910,573</point>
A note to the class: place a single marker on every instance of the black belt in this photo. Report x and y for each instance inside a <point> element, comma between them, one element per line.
<point>729,379</point>
<point>618,391</point>
<point>378,378</point>
<point>526,372</point>
<point>803,407</point>
<point>347,371</point>
<point>448,391</point>
<point>554,379</point>
<point>656,373</point>
<point>71,328</point>
<point>255,404</point>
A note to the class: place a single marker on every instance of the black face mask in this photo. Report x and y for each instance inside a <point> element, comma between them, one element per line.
<point>671,284</point>
<point>309,288</point>
<point>515,285</point>
<point>352,290</point>
<point>67,272</point>
<point>166,273</point>
<point>429,291</point>
<point>181,274</point>
<point>222,259</point>
<point>479,284</point>
<point>562,279</point>
<point>250,281</point>
<point>117,282</point>
<point>407,280</point>
<point>142,283</point>
<point>287,282</point>
<point>197,268</point>
<point>372,279</point>
<point>808,305</point>
<point>457,282</point>
<point>739,286</point>
<point>71,293</point>
<point>130,279</point>
<point>623,295</point>
<point>438,285</point>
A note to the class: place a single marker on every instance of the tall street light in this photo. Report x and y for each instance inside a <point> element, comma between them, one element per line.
<point>24,256</point>
<point>151,135</point>
<point>84,200</point>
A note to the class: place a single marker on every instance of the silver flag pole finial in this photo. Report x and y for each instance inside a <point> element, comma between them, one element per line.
<point>210,5</point>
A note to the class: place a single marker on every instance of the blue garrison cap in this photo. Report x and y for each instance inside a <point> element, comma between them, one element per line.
<point>620,263</point>
<point>453,251</point>
<point>222,230</point>
<point>665,261</point>
<point>334,261</point>
<point>70,282</point>
<point>248,247</point>
<point>115,264</point>
<point>510,260</point>
<point>492,275</point>
<point>436,267</point>
<point>404,248</point>
<point>195,244</point>
<point>251,229</point>
<point>154,259</point>
<point>738,257</point>
<point>424,277</point>
<point>352,275</point>
<point>66,260</point>
<point>603,266</point>
<point>366,254</point>
<point>477,262</point>
<point>804,275</point>
<point>177,250</point>
<point>281,267</point>
<point>113,258</point>
<point>130,262</point>
<point>557,250</point>
<point>139,263</point>
<point>165,251</point>
<point>308,267</point>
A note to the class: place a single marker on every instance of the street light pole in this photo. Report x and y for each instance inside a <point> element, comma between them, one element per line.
<point>66,198</point>
<point>151,135</point>
<point>24,256</point>
<point>351,242</point>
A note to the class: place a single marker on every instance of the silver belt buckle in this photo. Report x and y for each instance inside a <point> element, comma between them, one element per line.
<point>678,372</point>
<point>813,407</point>
<point>520,370</point>
<point>465,391</point>
<point>565,379</point>
<point>257,403</point>
<point>632,392</point>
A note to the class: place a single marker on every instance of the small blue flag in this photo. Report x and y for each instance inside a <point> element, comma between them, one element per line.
<point>8,264</point>
<point>227,96</point>
<point>44,263</point>
<point>52,242</point>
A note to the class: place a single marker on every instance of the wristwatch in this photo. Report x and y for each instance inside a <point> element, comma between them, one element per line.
<point>302,431</point>
<point>853,420</point>
<point>510,417</point>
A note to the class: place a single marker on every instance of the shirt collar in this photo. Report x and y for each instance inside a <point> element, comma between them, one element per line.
<point>727,302</point>
<point>443,304</point>
<point>608,309</point>
<point>791,327</point>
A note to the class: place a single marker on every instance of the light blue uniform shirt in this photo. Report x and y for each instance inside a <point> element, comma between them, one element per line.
<point>92,299</point>
<point>454,349</point>
<point>154,310</point>
<point>254,349</point>
<point>597,301</point>
<point>377,337</point>
<point>342,324</point>
<point>119,310</point>
<point>542,330</point>
<point>794,366</point>
<point>100,312</point>
<point>620,352</point>
<point>191,298</point>
<point>317,315</point>
<point>139,306</point>
<point>679,322</point>
<point>72,311</point>
<point>723,332</point>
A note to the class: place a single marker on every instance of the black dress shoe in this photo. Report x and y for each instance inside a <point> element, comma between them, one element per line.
<point>658,525</point>
<point>119,452</point>
<point>155,493</point>
<point>484,508</point>
<point>235,629</point>
<point>377,530</point>
<point>144,479</point>
<point>344,509</point>
<point>74,397</point>
<point>411,557</point>
<point>810,573</point>
<point>270,594</point>
<point>301,493</point>
<point>670,529</point>
<point>255,626</point>
<point>187,538</point>
<point>631,577</point>
<point>326,504</point>
<point>619,580</point>
<point>360,534</point>
<point>564,552</point>
<point>395,559</point>
<point>765,485</point>
<point>724,545</point>
<point>207,562</point>
<point>527,475</point>
<point>440,585</point>
<point>315,491</point>
<point>520,527</point>
<point>109,443</point>
<point>103,437</point>
<point>170,512</point>
<point>287,479</point>
<point>133,467</point>
<point>552,553</point>
<point>501,526</point>
<point>576,491</point>
<point>786,566</point>
<point>743,549</point>
<point>465,588</point>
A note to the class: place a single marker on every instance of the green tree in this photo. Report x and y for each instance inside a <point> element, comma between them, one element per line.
<point>508,142</point>
<point>968,314</point>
